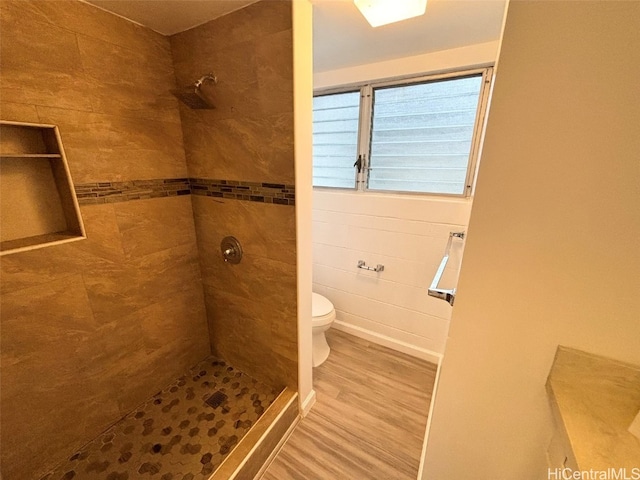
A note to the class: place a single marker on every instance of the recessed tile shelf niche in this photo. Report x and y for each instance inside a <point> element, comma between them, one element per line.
<point>38,205</point>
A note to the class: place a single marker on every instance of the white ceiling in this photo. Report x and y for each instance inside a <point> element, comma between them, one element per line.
<point>341,35</point>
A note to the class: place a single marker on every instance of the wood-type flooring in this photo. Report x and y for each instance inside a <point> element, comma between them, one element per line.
<point>369,418</point>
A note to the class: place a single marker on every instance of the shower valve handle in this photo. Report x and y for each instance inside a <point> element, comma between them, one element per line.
<point>231,250</point>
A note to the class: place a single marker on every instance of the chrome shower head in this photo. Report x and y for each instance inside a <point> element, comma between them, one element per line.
<point>193,97</point>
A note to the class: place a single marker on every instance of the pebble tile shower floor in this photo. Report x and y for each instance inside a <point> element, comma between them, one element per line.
<point>183,432</point>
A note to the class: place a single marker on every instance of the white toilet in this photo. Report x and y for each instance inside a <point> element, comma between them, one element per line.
<point>323,315</point>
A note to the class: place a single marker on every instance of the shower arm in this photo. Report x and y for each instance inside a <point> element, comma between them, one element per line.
<point>206,78</point>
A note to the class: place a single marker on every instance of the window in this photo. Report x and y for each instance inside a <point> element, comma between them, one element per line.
<point>418,136</point>
<point>335,139</point>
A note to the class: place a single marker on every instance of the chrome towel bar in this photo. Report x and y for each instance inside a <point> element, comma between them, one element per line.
<point>448,295</point>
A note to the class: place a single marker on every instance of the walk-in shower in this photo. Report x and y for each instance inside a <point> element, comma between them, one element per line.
<point>135,350</point>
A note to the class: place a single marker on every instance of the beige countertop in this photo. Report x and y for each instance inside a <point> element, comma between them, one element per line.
<point>595,399</point>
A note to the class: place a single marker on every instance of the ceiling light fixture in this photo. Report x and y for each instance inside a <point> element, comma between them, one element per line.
<point>382,12</point>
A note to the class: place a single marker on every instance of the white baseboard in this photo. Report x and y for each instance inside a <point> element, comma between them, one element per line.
<point>307,403</point>
<point>389,342</point>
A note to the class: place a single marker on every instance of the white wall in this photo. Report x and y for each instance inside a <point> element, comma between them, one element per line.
<point>408,236</point>
<point>303,113</point>
<point>405,233</point>
<point>553,252</point>
<point>471,56</point>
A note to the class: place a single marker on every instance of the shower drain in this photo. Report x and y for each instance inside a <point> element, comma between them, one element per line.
<point>217,399</point>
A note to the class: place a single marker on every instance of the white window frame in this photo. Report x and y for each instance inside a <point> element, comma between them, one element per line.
<point>365,124</point>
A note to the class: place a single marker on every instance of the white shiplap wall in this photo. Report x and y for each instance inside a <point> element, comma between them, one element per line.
<point>406,234</point>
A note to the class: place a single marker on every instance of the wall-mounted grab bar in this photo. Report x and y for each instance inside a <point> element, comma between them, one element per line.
<point>445,294</point>
<point>377,268</point>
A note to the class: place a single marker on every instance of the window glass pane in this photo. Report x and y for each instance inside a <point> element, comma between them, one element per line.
<point>422,134</point>
<point>335,139</point>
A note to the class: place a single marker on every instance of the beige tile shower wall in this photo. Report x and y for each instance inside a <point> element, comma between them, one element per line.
<point>249,135</point>
<point>91,329</point>
<point>104,81</point>
<point>251,307</point>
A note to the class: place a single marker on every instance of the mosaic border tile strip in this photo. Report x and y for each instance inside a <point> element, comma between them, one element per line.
<point>183,432</point>
<point>111,192</point>
<point>264,192</point>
